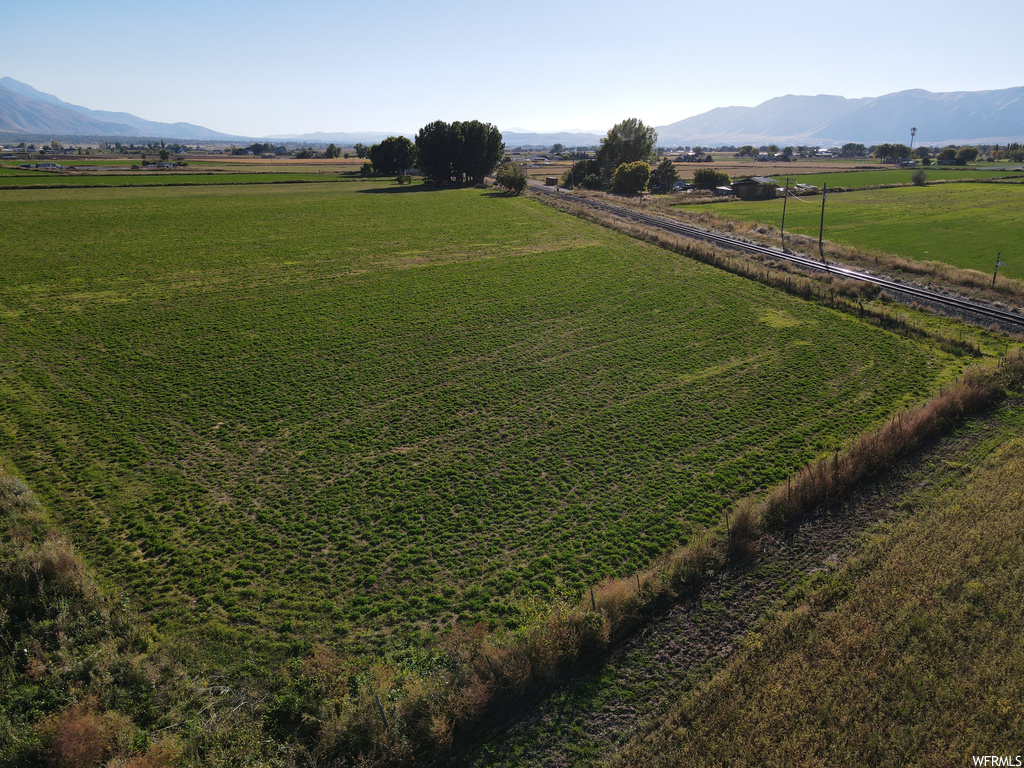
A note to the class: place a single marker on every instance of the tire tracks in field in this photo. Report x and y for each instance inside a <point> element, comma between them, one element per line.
<point>581,719</point>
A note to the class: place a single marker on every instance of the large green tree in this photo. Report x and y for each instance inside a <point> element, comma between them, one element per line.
<point>459,151</point>
<point>482,149</point>
<point>891,153</point>
<point>627,142</point>
<point>393,155</point>
<point>966,155</point>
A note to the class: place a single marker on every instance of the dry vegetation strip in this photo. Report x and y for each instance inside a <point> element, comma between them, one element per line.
<point>911,656</point>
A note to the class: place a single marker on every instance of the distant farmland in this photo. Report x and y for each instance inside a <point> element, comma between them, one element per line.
<point>355,412</point>
<point>965,225</point>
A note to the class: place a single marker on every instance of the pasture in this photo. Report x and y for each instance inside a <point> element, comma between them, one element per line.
<point>357,412</point>
<point>880,177</point>
<point>965,225</point>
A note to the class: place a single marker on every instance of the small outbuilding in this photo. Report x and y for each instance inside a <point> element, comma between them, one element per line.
<point>755,188</point>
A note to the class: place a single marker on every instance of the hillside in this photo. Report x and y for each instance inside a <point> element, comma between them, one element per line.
<point>24,110</point>
<point>941,118</point>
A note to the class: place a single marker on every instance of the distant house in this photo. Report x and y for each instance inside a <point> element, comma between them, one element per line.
<point>755,188</point>
<point>723,191</point>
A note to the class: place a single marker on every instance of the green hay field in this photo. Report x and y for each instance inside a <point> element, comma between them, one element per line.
<point>355,412</point>
<point>860,179</point>
<point>965,225</point>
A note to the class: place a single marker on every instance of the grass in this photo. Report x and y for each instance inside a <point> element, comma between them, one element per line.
<point>255,412</point>
<point>178,177</point>
<point>910,655</point>
<point>965,225</point>
<point>860,179</point>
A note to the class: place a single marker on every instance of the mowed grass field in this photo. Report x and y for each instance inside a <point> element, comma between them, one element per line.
<point>885,176</point>
<point>965,225</point>
<point>356,412</point>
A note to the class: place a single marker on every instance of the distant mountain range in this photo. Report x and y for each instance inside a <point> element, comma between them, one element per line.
<point>961,117</point>
<point>24,110</point>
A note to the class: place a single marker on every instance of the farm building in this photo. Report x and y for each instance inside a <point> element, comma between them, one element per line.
<point>755,188</point>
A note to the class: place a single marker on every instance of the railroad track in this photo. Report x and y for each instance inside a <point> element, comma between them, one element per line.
<point>964,307</point>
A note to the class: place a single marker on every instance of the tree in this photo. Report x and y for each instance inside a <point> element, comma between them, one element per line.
<point>511,177</point>
<point>481,150</point>
<point>433,149</point>
<point>892,153</point>
<point>361,151</point>
<point>966,155</point>
<point>852,149</point>
<point>461,151</point>
<point>581,170</point>
<point>627,142</point>
<point>946,156</point>
<point>332,151</point>
<point>393,155</point>
<point>631,178</point>
<point>664,175</point>
<point>709,178</point>
<point>165,155</point>
<point>557,149</point>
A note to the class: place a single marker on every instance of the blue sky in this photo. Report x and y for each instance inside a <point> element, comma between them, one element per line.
<point>258,69</point>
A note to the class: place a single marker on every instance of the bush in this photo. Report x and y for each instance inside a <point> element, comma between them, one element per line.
<point>512,177</point>
<point>919,178</point>
<point>709,178</point>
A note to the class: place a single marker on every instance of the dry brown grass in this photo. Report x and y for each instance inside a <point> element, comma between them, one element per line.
<point>912,655</point>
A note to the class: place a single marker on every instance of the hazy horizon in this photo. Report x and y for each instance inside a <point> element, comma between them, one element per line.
<point>254,70</point>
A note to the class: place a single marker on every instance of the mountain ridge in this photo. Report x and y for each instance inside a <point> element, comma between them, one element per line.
<point>955,117</point>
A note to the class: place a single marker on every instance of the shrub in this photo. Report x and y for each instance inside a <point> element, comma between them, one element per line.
<point>512,177</point>
<point>709,178</point>
<point>919,178</point>
<point>81,735</point>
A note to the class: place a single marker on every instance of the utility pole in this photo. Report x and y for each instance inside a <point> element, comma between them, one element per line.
<point>821,228</point>
<point>785,196</point>
<point>998,265</point>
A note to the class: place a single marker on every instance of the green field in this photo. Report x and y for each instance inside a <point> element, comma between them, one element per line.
<point>356,411</point>
<point>860,179</point>
<point>26,178</point>
<point>965,225</point>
